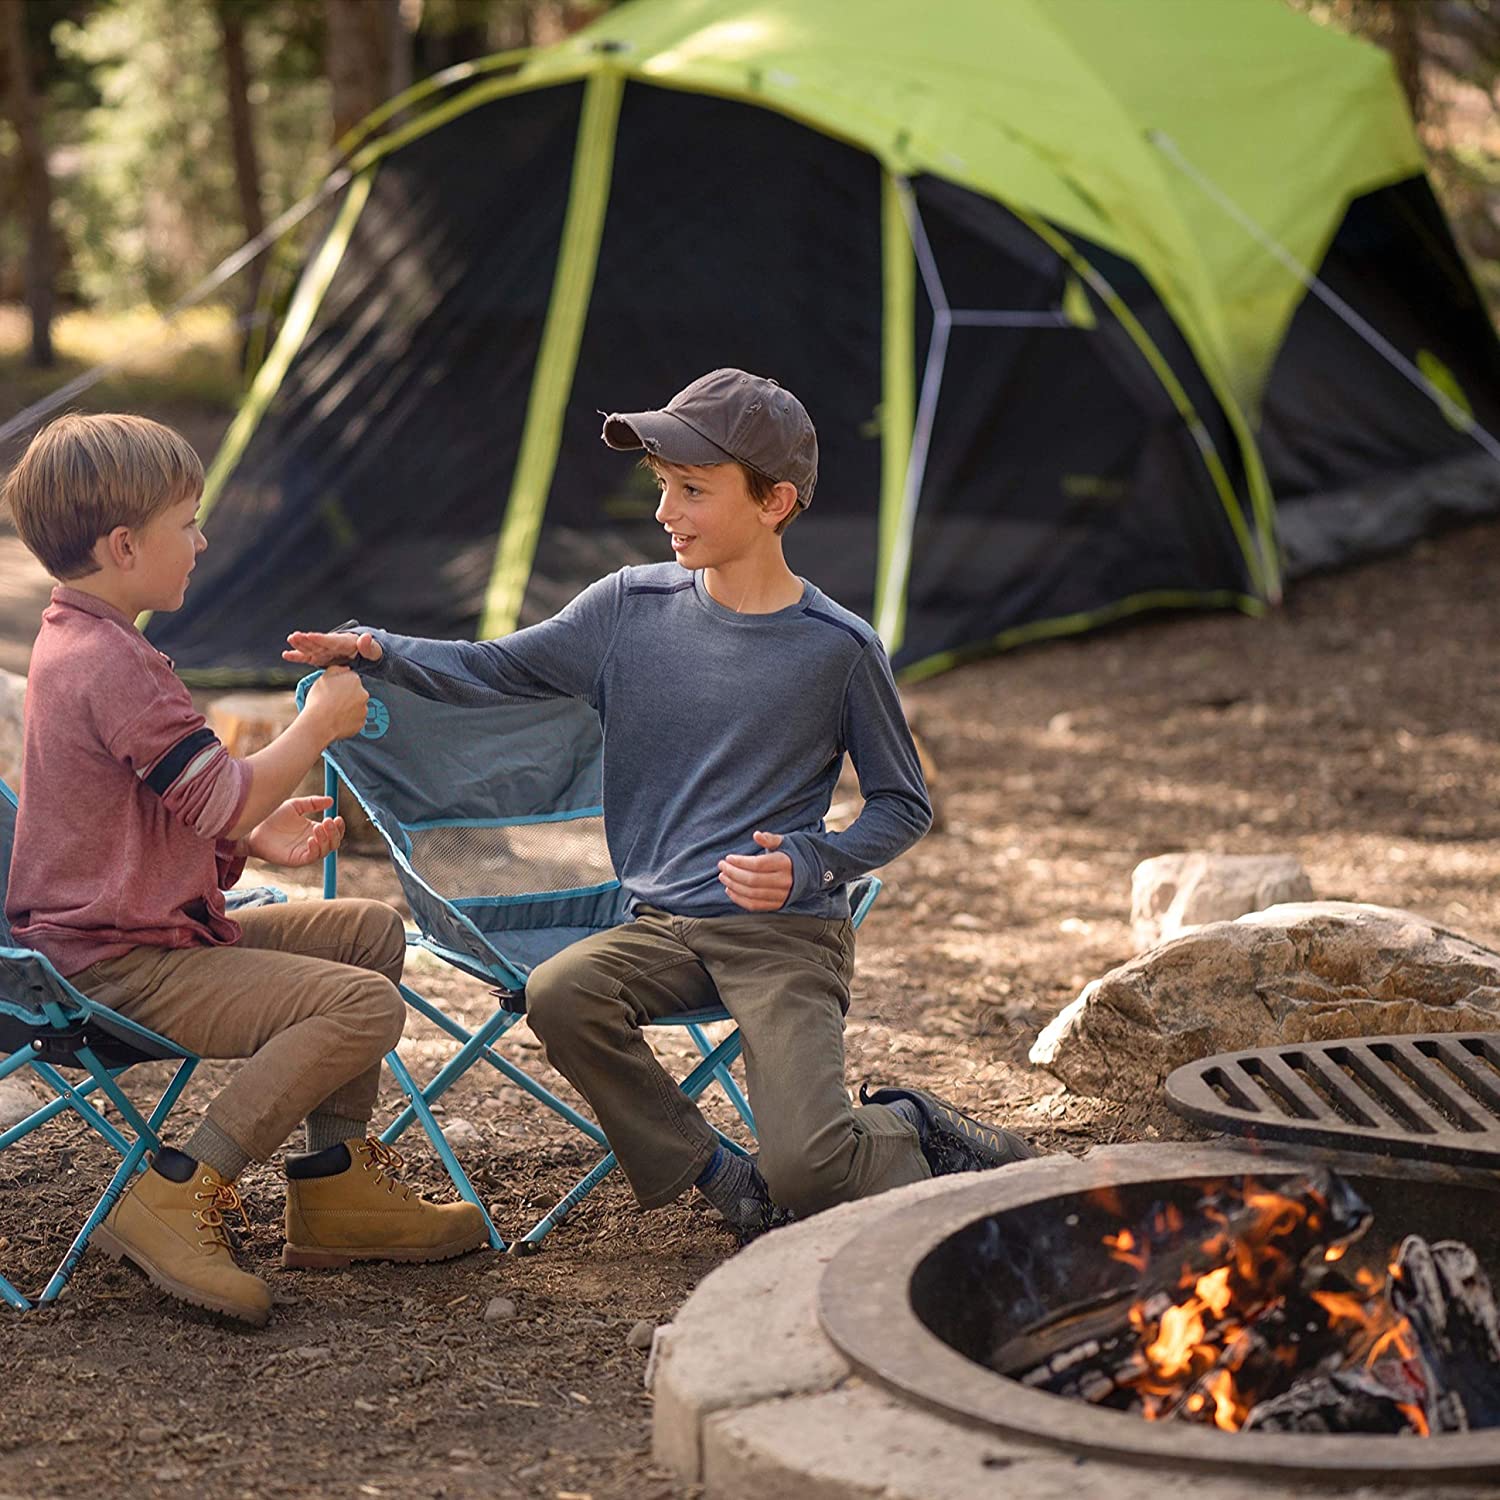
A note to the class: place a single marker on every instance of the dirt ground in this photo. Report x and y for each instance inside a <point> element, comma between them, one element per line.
<point>1355,728</point>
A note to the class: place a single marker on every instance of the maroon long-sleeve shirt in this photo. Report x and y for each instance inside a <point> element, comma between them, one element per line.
<point>126,796</point>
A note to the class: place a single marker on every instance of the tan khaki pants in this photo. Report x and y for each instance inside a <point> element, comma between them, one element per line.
<point>308,996</point>
<point>785,980</point>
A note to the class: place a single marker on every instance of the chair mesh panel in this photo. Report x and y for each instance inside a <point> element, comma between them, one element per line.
<point>464,862</point>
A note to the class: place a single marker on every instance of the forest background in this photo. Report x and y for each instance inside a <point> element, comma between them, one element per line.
<point>142,141</point>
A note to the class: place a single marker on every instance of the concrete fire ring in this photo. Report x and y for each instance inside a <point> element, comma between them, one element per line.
<point>754,1401</point>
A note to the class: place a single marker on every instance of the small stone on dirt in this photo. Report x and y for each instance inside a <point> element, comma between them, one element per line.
<point>967,921</point>
<point>151,1434</point>
<point>500,1310</point>
<point>462,1135</point>
<point>641,1334</point>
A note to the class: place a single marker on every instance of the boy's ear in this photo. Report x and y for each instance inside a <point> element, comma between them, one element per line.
<point>782,503</point>
<point>116,548</point>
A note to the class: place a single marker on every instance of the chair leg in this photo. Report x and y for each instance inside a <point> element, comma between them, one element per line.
<point>693,1085</point>
<point>133,1154</point>
<point>517,1076</point>
<point>725,1078</point>
<point>419,1110</point>
<point>476,1042</point>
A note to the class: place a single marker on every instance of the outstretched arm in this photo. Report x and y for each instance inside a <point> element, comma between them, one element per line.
<point>558,658</point>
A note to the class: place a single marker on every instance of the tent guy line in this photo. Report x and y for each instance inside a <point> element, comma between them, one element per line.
<point>1463,420</point>
<point>230,266</point>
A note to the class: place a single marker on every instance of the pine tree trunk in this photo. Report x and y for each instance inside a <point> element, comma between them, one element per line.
<point>36,184</point>
<point>363,51</point>
<point>242,140</point>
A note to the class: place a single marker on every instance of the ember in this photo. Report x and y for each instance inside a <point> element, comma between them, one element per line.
<point>1239,1313</point>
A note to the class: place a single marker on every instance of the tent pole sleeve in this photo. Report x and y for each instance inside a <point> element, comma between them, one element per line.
<point>1455,414</point>
<point>1260,560</point>
<point>897,399</point>
<point>305,303</point>
<point>891,621</point>
<point>557,358</point>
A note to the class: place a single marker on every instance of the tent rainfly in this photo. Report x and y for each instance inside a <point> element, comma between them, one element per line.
<point>1098,308</point>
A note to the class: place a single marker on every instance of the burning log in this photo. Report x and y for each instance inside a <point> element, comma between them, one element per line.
<point>1447,1300</point>
<point>1340,1401</point>
<point>1243,1251</point>
<point>1246,1320</point>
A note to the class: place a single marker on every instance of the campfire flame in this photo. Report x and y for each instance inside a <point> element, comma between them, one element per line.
<point>1195,1351</point>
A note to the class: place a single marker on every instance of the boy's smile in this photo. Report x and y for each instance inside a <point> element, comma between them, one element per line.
<point>708,514</point>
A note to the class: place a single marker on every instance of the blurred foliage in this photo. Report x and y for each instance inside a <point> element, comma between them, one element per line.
<point>137,125</point>
<point>138,129</point>
<point>147,201</point>
<point>189,362</point>
<point>1447,56</point>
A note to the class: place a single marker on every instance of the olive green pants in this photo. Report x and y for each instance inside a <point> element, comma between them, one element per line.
<point>785,981</point>
<point>308,996</point>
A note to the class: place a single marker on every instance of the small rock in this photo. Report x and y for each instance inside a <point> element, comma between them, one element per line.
<point>967,921</point>
<point>1176,893</point>
<point>463,1455</point>
<point>17,1100</point>
<point>151,1434</point>
<point>310,1352</point>
<point>462,1134</point>
<point>170,1473</point>
<point>641,1334</point>
<point>360,1404</point>
<point>500,1310</point>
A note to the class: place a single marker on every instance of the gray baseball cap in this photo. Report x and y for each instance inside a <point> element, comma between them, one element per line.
<point>722,416</point>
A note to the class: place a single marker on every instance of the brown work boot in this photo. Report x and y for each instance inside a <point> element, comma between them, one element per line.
<point>346,1204</point>
<point>174,1232</point>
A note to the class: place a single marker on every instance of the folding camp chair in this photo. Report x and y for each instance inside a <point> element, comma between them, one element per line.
<point>48,1029</point>
<point>491,816</point>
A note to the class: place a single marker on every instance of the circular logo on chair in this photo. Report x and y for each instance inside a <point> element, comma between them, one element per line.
<point>377,720</point>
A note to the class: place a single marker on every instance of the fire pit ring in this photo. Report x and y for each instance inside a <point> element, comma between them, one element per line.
<point>868,1294</point>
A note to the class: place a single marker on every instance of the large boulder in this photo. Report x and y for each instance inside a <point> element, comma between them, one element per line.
<point>1299,972</point>
<point>1175,892</point>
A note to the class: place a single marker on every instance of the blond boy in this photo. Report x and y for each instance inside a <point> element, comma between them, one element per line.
<point>133,821</point>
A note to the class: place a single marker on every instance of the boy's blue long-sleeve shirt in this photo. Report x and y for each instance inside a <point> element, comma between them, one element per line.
<point>716,724</point>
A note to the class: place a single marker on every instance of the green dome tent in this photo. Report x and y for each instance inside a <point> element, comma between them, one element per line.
<point>1040,271</point>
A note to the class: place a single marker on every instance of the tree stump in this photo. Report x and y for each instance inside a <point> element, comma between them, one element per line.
<point>247,722</point>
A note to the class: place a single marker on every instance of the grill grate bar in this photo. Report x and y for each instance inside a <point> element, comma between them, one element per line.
<point>1434,1097</point>
<point>1462,1065</point>
<point>1428,1079</point>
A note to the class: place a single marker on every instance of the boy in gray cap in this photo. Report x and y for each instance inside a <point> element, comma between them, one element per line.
<point>730,691</point>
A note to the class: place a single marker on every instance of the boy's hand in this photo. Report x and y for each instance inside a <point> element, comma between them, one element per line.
<point>337,701</point>
<point>292,837</point>
<point>758,882</point>
<point>321,648</point>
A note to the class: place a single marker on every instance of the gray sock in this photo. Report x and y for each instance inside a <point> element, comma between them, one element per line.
<point>215,1149</point>
<point>907,1110</point>
<point>734,1186</point>
<point>325,1130</point>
